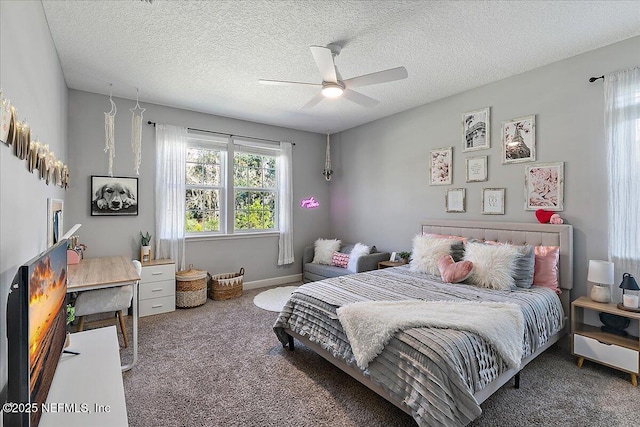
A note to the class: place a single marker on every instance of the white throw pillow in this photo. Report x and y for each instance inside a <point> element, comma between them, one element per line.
<point>426,252</point>
<point>324,249</point>
<point>358,250</point>
<point>492,265</point>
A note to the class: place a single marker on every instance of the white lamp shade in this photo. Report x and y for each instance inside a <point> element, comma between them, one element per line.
<point>600,272</point>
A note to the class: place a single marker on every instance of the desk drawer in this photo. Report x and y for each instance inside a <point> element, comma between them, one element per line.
<point>610,354</point>
<point>157,289</point>
<point>157,273</point>
<point>152,306</point>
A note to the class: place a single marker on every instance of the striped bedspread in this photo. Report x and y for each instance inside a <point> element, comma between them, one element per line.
<point>435,372</point>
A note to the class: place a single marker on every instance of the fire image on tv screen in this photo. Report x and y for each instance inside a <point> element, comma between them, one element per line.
<point>47,321</point>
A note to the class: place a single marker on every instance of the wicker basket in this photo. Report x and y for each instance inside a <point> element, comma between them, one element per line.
<point>191,287</point>
<point>226,286</point>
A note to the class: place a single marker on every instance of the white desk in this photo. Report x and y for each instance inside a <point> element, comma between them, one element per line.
<point>91,380</point>
<point>107,272</point>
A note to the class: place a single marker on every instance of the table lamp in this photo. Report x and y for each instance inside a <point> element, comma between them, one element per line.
<point>629,284</point>
<point>601,274</point>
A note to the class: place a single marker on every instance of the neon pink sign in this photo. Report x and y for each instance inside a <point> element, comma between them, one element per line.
<point>309,203</point>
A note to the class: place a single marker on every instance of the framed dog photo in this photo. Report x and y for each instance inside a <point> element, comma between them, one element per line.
<point>475,130</point>
<point>114,196</point>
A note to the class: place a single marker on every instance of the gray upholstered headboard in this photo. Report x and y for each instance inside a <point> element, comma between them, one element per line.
<point>518,234</point>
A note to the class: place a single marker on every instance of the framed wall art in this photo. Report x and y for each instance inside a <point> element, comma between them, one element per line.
<point>114,196</point>
<point>476,169</point>
<point>455,200</point>
<point>493,201</point>
<point>519,140</point>
<point>475,130</point>
<point>54,221</point>
<point>440,166</point>
<point>544,186</point>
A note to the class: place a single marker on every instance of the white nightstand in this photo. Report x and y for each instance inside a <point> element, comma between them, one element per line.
<point>157,287</point>
<point>589,342</point>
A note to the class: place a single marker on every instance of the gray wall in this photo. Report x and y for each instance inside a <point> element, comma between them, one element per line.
<point>106,236</point>
<point>380,192</point>
<point>31,77</point>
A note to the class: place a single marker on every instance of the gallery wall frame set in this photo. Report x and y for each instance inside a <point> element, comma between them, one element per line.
<point>544,187</point>
<point>441,166</point>
<point>519,140</point>
<point>455,200</point>
<point>476,169</point>
<point>476,133</point>
<point>493,201</point>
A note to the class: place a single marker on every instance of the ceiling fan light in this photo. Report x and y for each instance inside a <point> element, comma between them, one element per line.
<point>332,91</point>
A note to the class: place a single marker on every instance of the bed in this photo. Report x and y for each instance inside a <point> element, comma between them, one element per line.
<point>439,376</point>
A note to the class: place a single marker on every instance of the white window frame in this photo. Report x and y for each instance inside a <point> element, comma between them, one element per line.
<point>228,146</point>
<point>242,145</point>
<point>211,141</point>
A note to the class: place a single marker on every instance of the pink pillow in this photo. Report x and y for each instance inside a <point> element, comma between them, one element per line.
<point>340,260</point>
<point>453,272</point>
<point>545,271</point>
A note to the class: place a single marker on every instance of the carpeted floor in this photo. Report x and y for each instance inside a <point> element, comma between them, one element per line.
<point>221,365</point>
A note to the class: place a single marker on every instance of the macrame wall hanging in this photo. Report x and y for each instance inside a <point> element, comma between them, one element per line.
<point>327,162</point>
<point>17,134</point>
<point>109,131</point>
<point>136,134</point>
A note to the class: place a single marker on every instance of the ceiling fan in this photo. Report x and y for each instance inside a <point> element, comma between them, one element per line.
<point>332,84</point>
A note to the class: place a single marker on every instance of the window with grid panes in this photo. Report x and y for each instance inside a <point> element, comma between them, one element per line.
<point>255,189</point>
<point>205,184</point>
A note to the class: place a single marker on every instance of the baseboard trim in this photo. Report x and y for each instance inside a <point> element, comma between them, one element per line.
<point>273,281</point>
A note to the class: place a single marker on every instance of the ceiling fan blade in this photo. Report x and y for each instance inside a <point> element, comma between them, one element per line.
<point>390,75</point>
<point>324,61</point>
<point>359,98</point>
<point>313,101</point>
<point>285,83</point>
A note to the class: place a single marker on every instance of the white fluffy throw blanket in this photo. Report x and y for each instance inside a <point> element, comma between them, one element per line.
<point>370,325</point>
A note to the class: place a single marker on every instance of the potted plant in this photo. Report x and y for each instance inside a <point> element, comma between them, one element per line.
<point>71,315</point>
<point>145,251</point>
<point>404,256</point>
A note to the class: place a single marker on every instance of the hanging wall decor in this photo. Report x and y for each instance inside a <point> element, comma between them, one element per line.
<point>17,135</point>
<point>136,134</point>
<point>6,115</point>
<point>327,162</point>
<point>109,132</point>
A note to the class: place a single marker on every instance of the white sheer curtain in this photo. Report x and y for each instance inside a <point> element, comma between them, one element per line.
<point>171,149</point>
<point>622,128</point>
<point>285,205</point>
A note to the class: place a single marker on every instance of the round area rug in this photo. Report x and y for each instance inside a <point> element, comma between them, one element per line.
<point>274,299</point>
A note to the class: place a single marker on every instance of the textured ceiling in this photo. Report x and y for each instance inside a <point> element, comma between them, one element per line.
<point>208,55</point>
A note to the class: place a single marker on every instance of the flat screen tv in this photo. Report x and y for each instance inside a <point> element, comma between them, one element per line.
<point>36,332</point>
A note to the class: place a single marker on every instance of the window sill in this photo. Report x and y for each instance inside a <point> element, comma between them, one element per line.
<point>254,235</point>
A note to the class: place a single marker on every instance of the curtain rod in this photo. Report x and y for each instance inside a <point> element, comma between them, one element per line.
<point>226,134</point>
<point>593,79</point>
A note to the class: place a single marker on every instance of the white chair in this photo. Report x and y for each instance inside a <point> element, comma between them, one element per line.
<point>105,301</point>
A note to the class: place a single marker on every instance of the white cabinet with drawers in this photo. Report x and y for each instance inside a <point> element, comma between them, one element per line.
<point>157,292</point>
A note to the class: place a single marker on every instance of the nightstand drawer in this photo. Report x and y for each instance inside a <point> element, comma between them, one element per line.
<point>157,273</point>
<point>611,354</point>
<point>148,307</point>
<point>157,289</point>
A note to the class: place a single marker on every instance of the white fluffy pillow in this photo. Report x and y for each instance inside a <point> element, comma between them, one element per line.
<point>324,249</point>
<point>426,252</point>
<point>492,265</point>
<point>358,250</point>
